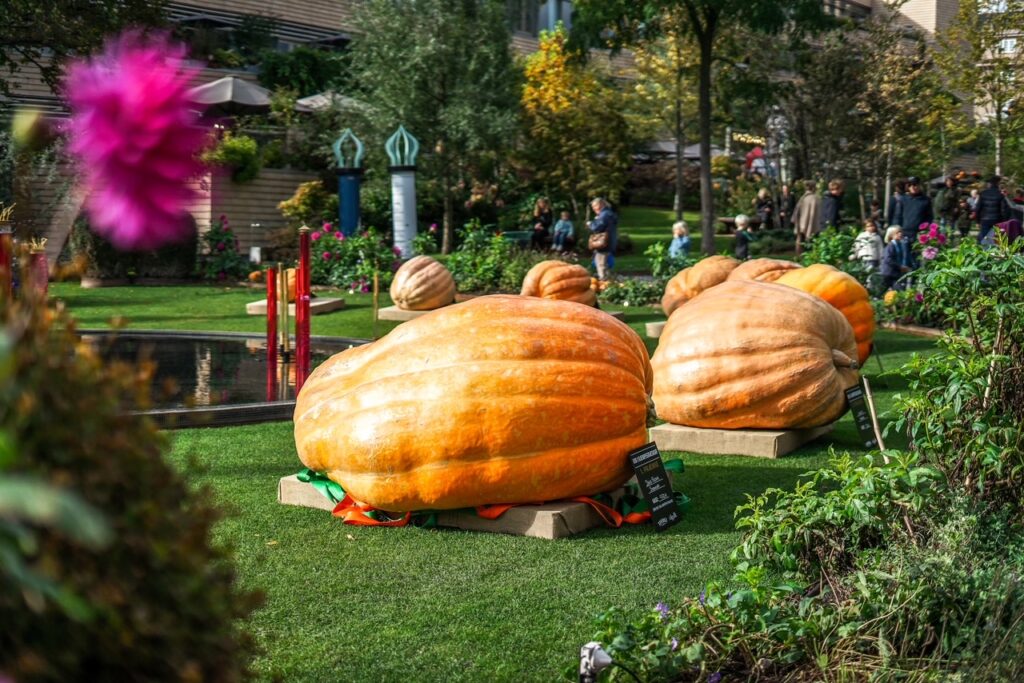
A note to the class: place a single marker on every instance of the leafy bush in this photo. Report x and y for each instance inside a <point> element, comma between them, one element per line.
<point>425,243</point>
<point>663,265</point>
<point>311,205</point>
<point>221,259</point>
<point>634,292</point>
<point>160,602</point>
<point>487,262</point>
<point>772,242</point>
<point>305,70</point>
<point>350,262</point>
<point>102,260</point>
<point>240,153</point>
<point>831,246</point>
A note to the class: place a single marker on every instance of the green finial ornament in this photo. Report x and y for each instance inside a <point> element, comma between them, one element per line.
<point>339,154</point>
<point>402,148</point>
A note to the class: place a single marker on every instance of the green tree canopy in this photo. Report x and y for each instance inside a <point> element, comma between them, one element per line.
<point>443,69</point>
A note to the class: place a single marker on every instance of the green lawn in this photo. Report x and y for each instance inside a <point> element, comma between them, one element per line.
<point>430,605</point>
<point>646,225</point>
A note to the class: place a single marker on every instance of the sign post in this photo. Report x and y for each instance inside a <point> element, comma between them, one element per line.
<point>655,486</point>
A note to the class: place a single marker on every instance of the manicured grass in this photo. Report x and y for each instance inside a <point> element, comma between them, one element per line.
<point>441,605</point>
<point>647,225</point>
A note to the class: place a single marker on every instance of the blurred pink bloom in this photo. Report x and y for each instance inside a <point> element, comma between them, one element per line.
<point>315,236</point>
<point>136,137</point>
<point>929,253</point>
<point>221,246</point>
<point>433,227</point>
<point>365,289</point>
<point>941,238</point>
<point>326,227</point>
<point>922,238</point>
<point>919,297</point>
<point>339,235</point>
<point>326,256</point>
<point>396,251</point>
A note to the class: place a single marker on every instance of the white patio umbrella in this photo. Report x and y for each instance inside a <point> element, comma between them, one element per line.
<point>232,95</point>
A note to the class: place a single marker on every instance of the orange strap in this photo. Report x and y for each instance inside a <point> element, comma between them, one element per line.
<point>353,512</point>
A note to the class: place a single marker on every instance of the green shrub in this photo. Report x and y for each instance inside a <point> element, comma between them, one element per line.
<point>634,292</point>
<point>487,262</point>
<point>831,246</point>
<point>221,259</point>
<point>311,205</point>
<point>161,602</point>
<point>305,70</point>
<point>240,153</point>
<point>663,265</point>
<point>350,262</point>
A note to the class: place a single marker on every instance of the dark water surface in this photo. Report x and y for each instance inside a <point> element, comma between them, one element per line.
<point>211,370</point>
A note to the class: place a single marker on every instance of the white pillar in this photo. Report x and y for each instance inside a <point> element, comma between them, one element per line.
<point>403,208</point>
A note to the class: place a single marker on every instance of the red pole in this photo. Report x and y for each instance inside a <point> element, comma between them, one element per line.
<point>6,259</point>
<point>271,275</point>
<point>302,311</point>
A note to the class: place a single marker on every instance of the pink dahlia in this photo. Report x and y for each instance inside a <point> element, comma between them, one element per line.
<point>339,235</point>
<point>315,235</point>
<point>922,238</point>
<point>136,136</point>
<point>326,256</point>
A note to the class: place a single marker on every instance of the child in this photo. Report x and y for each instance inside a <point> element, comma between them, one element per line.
<point>680,246</point>
<point>895,258</point>
<point>563,232</point>
<point>743,237</point>
<point>963,218</point>
<point>867,248</point>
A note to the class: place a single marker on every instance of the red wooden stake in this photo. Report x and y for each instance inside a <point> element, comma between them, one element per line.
<point>6,257</point>
<point>271,275</point>
<point>302,311</point>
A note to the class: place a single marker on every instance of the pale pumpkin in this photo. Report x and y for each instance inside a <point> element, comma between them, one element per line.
<point>422,284</point>
<point>500,399</point>
<point>845,293</point>
<point>559,280</point>
<point>290,275</point>
<point>689,282</point>
<point>763,269</point>
<point>758,355</point>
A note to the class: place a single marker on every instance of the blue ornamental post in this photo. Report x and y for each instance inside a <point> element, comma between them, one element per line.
<point>402,149</point>
<point>350,178</point>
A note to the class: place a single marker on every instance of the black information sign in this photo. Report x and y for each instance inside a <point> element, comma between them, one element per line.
<point>655,485</point>
<point>862,416</point>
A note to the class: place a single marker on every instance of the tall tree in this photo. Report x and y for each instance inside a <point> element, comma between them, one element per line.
<point>575,143</point>
<point>43,34</point>
<point>443,69</point>
<point>624,23</point>
<point>981,55</point>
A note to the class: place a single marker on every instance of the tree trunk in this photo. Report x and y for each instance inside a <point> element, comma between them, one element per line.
<point>680,147</point>
<point>705,36</point>
<point>999,145</point>
<point>448,220</point>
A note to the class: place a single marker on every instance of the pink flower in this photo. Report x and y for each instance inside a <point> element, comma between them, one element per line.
<point>919,297</point>
<point>365,289</point>
<point>339,235</point>
<point>922,238</point>
<point>326,256</point>
<point>315,236</point>
<point>326,227</point>
<point>221,246</point>
<point>933,230</point>
<point>136,138</point>
<point>941,238</point>
<point>433,227</point>
<point>396,251</point>
<point>929,253</point>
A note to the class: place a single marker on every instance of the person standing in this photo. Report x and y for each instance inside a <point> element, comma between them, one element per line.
<point>895,258</point>
<point>867,248</point>
<point>914,211</point>
<point>563,232</point>
<point>993,208</point>
<point>807,215</point>
<point>604,234</point>
<point>543,218</point>
<point>947,204</point>
<point>895,202</point>
<point>680,245</point>
<point>743,237</point>
<point>832,205</point>
<point>764,207</point>
<point>787,203</point>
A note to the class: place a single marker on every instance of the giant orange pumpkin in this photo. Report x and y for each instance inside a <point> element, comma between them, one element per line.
<point>559,280</point>
<point>763,269</point>
<point>689,282</point>
<point>845,293</point>
<point>500,399</point>
<point>749,354</point>
<point>422,284</point>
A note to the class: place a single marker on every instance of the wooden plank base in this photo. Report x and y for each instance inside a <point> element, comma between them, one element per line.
<point>399,314</point>
<point>316,307</point>
<point>654,329</point>
<point>549,521</point>
<point>758,443</point>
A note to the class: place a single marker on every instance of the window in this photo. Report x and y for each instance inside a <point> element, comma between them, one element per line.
<point>1008,45</point>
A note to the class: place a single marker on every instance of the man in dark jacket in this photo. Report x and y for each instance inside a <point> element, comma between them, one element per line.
<point>893,210</point>
<point>947,203</point>
<point>831,205</point>
<point>604,221</point>
<point>992,208</point>
<point>914,210</point>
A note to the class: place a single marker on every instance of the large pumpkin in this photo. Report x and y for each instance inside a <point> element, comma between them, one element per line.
<point>290,278</point>
<point>559,280</point>
<point>763,269</point>
<point>754,355</point>
<point>500,399</point>
<point>689,282</point>
<point>845,293</point>
<point>422,284</point>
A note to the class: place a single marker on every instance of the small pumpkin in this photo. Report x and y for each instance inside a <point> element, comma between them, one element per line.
<point>500,399</point>
<point>845,293</point>
<point>762,269</point>
<point>559,280</point>
<point>256,276</point>
<point>290,276</point>
<point>689,282</point>
<point>758,355</point>
<point>422,284</point>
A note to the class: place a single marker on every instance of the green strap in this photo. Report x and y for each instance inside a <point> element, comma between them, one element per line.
<point>331,490</point>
